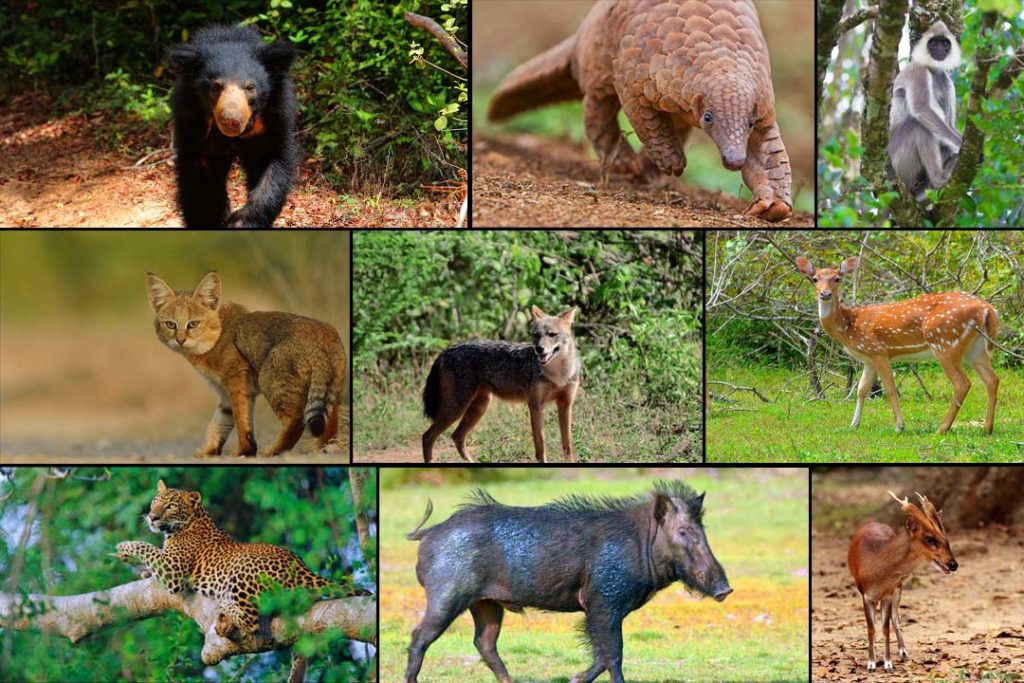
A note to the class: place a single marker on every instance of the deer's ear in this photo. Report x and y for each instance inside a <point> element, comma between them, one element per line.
<point>848,266</point>
<point>804,266</point>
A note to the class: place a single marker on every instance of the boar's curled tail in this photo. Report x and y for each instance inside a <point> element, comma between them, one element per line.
<point>416,534</point>
<point>432,390</point>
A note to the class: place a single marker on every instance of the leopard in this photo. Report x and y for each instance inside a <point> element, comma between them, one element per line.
<point>200,557</point>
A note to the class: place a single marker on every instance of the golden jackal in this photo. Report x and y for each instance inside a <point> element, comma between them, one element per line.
<point>297,363</point>
<point>465,375</point>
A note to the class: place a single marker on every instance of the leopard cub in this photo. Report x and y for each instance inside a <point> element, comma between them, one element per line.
<point>200,557</point>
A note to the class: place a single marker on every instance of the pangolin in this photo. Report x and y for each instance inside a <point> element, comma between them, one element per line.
<point>671,65</point>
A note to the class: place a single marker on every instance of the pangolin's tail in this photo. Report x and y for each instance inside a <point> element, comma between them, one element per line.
<point>545,79</point>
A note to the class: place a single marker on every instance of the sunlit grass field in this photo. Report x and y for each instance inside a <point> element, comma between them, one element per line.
<point>793,428</point>
<point>756,522</point>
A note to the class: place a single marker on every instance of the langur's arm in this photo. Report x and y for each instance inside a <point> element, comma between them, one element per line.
<point>923,106</point>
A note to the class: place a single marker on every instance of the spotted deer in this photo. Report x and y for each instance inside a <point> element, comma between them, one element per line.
<point>880,560</point>
<point>944,326</point>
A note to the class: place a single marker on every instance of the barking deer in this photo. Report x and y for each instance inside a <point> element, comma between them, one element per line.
<point>880,560</point>
<point>944,327</point>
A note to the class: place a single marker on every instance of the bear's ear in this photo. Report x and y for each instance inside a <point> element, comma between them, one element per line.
<point>185,57</point>
<point>278,57</point>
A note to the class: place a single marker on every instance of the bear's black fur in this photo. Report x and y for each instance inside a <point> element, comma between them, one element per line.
<point>233,98</point>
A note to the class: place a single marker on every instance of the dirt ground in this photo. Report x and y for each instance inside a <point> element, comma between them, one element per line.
<point>530,181</point>
<point>125,400</point>
<point>968,625</point>
<point>55,172</point>
<point>413,453</point>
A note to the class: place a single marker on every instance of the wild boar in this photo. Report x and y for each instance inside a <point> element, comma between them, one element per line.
<point>605,557</point>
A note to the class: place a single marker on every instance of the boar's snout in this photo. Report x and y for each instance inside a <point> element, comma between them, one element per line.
<point>722,592</point>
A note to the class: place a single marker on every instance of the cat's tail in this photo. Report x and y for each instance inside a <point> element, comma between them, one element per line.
<point>317,402</point>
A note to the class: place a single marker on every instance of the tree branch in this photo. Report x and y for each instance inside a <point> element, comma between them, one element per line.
<point>966,168</point>
<point>881,71</point>
<point>77,616</point>
<point>857,18</point>
<point>434,29</point>
<point>829,12</point>
<point>1013,69</point>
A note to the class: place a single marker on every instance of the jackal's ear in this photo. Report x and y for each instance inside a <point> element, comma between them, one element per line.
<point>568,315</point>
<point>537,313</point>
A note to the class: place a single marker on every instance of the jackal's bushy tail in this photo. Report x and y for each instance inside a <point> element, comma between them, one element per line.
<point>432,390</point>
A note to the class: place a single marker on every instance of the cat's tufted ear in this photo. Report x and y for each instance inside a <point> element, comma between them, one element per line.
<point>208,291</point>
<point>195,497</point>
<point>161,486</point>
<point>159,292</point>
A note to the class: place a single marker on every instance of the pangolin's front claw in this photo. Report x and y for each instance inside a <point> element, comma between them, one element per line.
<point>771,209</point>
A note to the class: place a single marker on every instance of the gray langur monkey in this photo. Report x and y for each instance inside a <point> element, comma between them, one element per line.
<point>923,142</point>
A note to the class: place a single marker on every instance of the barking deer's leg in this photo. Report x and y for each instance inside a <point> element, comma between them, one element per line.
<point>889,382</point>
<point>886,619</point>
<point>961,385</point>
<point>896,595</point>
<point>869,617</point>
<point>867,378</point>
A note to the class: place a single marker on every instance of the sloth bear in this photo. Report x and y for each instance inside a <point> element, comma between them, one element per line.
<point>233,98</point>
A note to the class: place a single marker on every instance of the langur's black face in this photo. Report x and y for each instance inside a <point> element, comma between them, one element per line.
<point>939,47</point>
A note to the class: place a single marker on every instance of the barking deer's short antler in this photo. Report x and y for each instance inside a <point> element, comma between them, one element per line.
<point>880,559</point>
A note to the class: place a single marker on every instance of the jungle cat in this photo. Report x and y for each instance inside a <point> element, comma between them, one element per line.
<point>297,363</point>
<point>200,557</point>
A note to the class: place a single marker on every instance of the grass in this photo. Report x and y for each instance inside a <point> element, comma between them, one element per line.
<point>793,428</point>
<point>610,424</point>
<point>756,523</point>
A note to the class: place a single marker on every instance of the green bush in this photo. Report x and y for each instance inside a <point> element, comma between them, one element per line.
<point>638,295</point>
<point>371,110</point>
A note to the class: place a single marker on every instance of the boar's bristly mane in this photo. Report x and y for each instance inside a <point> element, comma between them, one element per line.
<point>581,503</point>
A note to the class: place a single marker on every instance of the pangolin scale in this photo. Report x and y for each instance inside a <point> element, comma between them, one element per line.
<point>671,66</point>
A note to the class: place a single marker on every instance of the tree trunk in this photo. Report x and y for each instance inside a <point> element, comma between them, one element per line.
<point>971,497</point>
<point>77,616</point>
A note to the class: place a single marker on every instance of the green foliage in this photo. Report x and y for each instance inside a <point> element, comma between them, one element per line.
<point>372,111</point>
<point>77,520</point>
<point>367,111</point>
